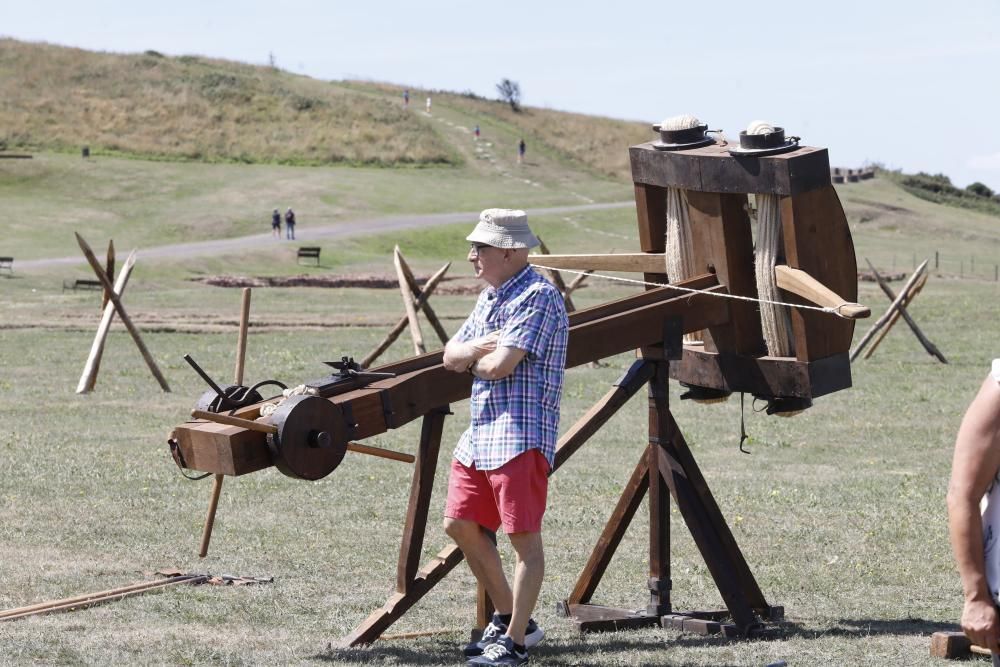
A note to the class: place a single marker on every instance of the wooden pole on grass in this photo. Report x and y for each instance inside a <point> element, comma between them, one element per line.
<point>90,369</point>
<point>241,351</point>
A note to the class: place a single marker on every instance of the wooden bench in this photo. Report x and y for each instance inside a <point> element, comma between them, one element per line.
<point>309,252</point>
<point>7,263</point>
<point>82,284</point>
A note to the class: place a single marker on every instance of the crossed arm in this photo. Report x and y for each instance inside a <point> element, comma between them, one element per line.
<point>482,357</point>
<point>975,464</point>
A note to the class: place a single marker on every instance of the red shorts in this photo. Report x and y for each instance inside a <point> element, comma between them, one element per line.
<point>512,495</point>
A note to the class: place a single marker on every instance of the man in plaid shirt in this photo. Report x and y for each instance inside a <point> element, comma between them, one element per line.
<point>514,345</point>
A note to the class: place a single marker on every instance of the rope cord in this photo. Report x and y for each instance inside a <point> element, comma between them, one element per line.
<point>833,310</point>
<point>774,319</point>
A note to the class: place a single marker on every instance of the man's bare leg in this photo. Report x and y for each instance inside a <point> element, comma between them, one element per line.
<point>484,561</point>
<point>528,577</point>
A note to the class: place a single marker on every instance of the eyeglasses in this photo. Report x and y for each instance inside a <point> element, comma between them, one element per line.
<point>474,248</point>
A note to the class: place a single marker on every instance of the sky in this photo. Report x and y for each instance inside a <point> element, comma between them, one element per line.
<point>908,84</point>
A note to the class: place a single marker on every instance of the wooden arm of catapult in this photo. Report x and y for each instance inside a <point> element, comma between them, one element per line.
<point>796,281</point>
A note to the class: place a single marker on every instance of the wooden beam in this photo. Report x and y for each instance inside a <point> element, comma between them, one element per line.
<point>641,262</point>
<point>126,320</point>
<point>799,282</point>
<point>712,169</point>
<point>90,369</point>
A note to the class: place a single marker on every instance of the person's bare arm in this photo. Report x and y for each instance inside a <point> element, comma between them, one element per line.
<point>975,463</point>
<point>459,355</point>
<point>497,364</point>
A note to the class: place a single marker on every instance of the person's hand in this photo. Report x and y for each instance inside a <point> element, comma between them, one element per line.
<point>981,624</point>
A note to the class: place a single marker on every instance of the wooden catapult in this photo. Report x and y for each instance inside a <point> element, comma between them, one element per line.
<point>724,351</point>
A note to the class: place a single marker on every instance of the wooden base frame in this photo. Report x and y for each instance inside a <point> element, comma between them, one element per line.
<point>666,469</point>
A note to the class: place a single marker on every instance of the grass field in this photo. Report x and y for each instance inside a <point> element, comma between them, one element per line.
<point>840,511</point>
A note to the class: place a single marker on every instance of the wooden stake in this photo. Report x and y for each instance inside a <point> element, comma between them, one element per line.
<point>126,320</point>
<point>425,294</point>
<point>90,369</point>
<point>928,345</point>
<point>888,314</point>
<point>895,316</point>
<point>82,601</point>
<point>109,270</point>
<point>411,309</point>
<point>557,279</point>
<point>432,317</point>
<point>241,351</point>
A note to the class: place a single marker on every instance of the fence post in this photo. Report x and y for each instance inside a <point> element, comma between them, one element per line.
<point>996,273</point>
<point>935,260</point>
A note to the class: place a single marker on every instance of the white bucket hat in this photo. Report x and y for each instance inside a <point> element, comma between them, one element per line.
<point>503,228</point>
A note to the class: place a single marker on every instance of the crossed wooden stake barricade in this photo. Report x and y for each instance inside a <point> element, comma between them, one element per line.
<point>110,305</point>
<point>896,310</point>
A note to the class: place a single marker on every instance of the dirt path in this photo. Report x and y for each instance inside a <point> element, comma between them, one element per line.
<point>340,230</point>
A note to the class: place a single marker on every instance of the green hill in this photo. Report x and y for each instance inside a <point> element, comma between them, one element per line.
<point>194,108</point>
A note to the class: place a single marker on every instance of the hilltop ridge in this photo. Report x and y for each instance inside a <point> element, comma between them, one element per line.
<point>203,109</point>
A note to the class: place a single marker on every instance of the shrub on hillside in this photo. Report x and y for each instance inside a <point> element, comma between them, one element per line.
<point>980,190</point>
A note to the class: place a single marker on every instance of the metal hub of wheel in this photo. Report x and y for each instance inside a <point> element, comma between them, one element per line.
<point>312,437</point>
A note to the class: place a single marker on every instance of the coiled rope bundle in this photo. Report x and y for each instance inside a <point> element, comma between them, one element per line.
<point>775,320</point>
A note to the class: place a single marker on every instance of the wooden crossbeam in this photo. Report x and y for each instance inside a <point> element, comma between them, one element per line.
<point>642,262</point>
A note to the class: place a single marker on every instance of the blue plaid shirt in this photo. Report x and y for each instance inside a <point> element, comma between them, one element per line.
<point>520,411</point>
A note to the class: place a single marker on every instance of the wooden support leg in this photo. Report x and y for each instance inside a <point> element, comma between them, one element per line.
<point>667,465</point>
<point>420,498</point>
<point>411,585</point>
<point>241,355</point>
<point>659,499</point>
<point>715,541</point>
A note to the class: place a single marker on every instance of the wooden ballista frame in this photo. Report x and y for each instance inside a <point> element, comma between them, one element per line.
<point>311,437</point>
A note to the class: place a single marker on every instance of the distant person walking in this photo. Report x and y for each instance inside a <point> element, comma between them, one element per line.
<point>428,104</point>
<point>521,147</point>
<point>406,99</point>
<point>276,224</point>
<point>475,133</point>
<point>290,224</point>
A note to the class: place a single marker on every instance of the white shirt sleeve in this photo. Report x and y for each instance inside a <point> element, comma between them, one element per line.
<point>995,372</point>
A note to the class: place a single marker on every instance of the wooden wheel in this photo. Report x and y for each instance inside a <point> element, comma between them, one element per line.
<point>312,437</point>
